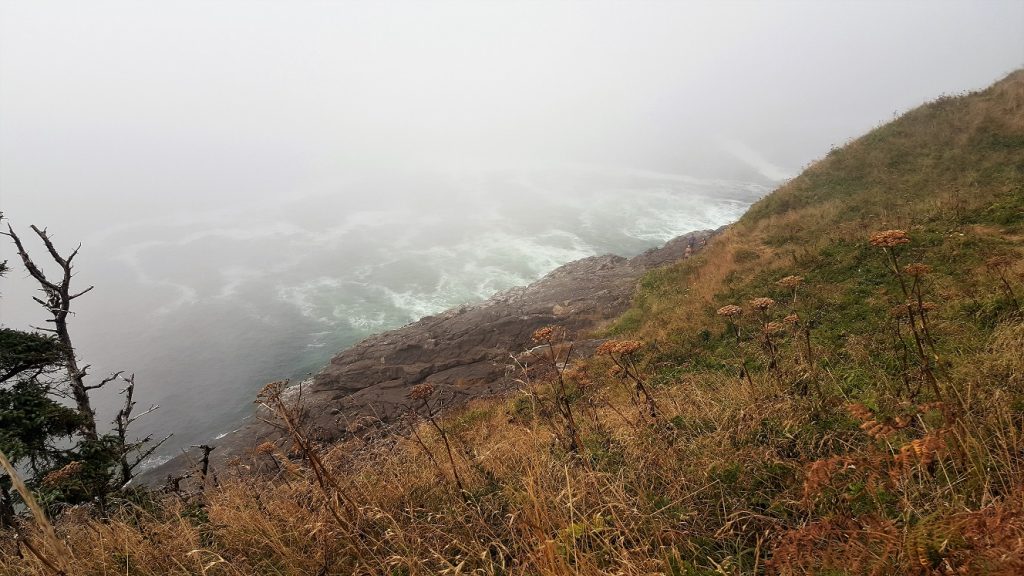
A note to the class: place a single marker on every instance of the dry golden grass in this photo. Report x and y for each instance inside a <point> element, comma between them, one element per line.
<point>828,444</point>
<point>642,499</point>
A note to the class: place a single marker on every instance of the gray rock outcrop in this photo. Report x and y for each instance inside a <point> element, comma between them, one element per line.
<point>463,353</point>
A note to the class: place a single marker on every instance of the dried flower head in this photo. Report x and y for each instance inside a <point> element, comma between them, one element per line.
<point>623,347</point>
<point>927,306</point>
<point>772,328</point>
<point>889,238</point>
<point>271,391</point>
<point>917,269</point>
<point>792,319</point>
<point>791,282</point>
<point>543,334</point>
<point>730,311</point>
<point>629,346</point>
<point>58,477</point>
<point>421,392</point>
<point>265,448</point>
<point>762,304</point>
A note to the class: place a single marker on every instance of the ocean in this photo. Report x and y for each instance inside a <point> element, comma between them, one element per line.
<point>207,306</point>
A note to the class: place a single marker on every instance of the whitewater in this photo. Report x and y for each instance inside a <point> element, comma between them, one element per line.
<point>207,306</point>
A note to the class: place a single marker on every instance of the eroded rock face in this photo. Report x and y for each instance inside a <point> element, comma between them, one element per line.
<point>463,353</point>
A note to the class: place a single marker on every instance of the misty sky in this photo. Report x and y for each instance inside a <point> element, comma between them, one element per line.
<point>115,109</point>
<point>260,155</point>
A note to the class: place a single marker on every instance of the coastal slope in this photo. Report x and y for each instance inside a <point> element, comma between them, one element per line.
<point>834,384</point>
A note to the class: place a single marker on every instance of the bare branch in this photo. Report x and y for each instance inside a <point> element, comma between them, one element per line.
<point>4,376</point>
<point>146,454</point>
<point>105,381</point>
<point>49,246</point>
<point>152,408</point>
<point>44,304</point>
<point>34,270</point>
<point>74,253</point>
<point>73,296</point>
<point>149,451</point>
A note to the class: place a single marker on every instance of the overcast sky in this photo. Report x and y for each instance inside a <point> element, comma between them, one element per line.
<point>116,117</point>
<point>153,106</point>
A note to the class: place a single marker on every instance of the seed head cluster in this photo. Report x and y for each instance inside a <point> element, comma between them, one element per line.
<point>543,334</point>
<point>730,311</point>
<point>621,347</point>
<point>421,392</point>
<point>265,448</point>
<point>271,391</point>
<point>791,282</point>
<point>62,475</point>
<point>762,304</point>
<point>889,238</point>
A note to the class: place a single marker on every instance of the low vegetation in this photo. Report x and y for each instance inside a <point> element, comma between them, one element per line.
<point>835,385</point>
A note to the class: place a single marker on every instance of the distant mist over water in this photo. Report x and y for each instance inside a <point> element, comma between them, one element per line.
<point>207,307</point>
<point>258,185</point>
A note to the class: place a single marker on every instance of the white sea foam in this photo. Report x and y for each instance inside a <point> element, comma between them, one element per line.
<point>303,296</point>
<point>223,434</point>
<point>361,315</point>
<point>395,283</point>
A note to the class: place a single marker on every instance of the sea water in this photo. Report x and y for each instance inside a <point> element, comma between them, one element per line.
<point>206,307</point>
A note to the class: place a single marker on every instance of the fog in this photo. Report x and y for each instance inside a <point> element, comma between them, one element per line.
<point>259,184</point>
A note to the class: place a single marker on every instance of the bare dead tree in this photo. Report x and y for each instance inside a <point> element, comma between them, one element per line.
<point>58,298</point>
<point>142,448</point>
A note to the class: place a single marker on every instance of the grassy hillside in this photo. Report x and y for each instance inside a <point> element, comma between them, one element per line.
<point>802,396</point>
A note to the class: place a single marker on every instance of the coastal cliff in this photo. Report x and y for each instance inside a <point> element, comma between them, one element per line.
<point>464,353</point>
<point>833,385</point>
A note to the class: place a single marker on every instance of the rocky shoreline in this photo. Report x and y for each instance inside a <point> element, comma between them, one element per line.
<point>463,352</point>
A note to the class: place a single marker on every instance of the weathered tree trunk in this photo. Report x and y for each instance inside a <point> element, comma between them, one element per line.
<point>58,304</point>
